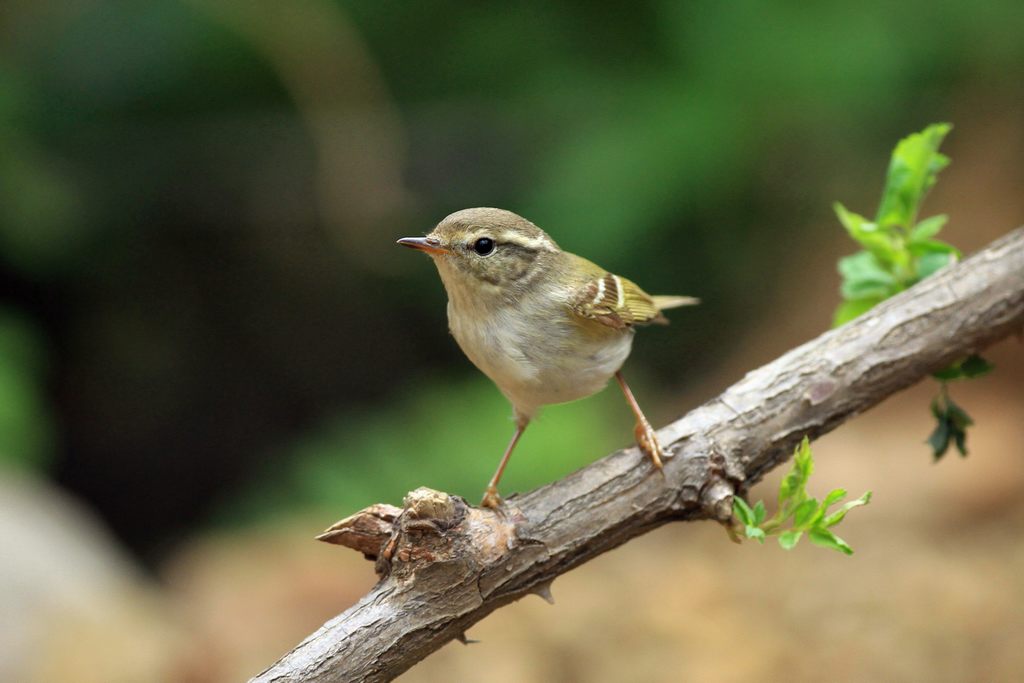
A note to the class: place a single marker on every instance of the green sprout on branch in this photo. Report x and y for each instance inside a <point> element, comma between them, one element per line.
<point>898,252</point>
<point>798,513</point>
<point>952,421</point>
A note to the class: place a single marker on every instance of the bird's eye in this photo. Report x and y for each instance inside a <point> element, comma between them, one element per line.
<point>484,246</point>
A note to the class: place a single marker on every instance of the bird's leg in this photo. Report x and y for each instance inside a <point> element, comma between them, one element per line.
<point>491,497</point>
<point>645,436</point>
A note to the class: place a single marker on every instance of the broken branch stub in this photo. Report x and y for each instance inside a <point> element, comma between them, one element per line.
<point>366,531</point>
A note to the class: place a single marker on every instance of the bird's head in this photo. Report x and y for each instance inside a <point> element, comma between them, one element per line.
<point>486,250</point>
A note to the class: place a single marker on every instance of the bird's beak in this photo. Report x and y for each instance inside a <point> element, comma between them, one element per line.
<point>427,244</point>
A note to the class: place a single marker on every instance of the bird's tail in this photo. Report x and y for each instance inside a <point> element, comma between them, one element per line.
<point>664,302</point>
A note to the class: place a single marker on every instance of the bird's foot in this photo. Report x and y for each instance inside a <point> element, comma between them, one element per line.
<point>491,498</point>
<point>649,444</point>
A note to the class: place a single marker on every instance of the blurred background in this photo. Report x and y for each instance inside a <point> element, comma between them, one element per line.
<point>210,347</point>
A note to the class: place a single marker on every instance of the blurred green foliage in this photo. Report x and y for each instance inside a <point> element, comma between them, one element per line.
<point>446,434</point>
<point>26,425</point>
<point>198,202</point>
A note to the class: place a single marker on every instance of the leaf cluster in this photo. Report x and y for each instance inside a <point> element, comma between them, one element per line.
<point>968,368</point>
<point>952,421</point>
<point>897,250</point>
<point>798,513</point>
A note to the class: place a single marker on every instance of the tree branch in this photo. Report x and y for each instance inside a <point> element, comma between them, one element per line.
<point>446,565</point>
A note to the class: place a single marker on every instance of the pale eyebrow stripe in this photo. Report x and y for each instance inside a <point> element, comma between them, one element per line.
<point>532,243</point>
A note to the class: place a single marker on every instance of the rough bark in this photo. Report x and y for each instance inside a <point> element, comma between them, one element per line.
<point>446,565</point>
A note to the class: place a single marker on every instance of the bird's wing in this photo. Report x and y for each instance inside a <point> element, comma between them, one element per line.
<point>616,302</point>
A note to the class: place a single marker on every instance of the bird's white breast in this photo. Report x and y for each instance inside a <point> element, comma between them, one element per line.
<point>535,351</point>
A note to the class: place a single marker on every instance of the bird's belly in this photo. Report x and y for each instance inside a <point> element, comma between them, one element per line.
<point>584,371</point>
<point>535,365</point>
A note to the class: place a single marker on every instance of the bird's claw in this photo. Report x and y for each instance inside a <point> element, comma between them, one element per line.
<point>491,498</point>
<point>649,444</point>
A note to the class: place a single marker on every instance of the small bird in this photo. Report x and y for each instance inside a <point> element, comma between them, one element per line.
<point>545,325</point>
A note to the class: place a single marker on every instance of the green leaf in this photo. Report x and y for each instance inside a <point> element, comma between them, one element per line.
<point>826,539</point>
<point>913,170</point>
<point>788,486</point>
<point>756,533</point>
<point>848,310</point>
<point>866,233</point>
<point>960,439</point>
<point>966,368</point>
<point>742,511</point>
<point>866,277</point>
<point>952,422</point>
<point>759,512</point>
<point>932,262</point>
<point>948,373</point>
<point>928,228</point>
<point>818,515</point>
<point>792,487</point>
<point>804,461</point>
<point>931,255</point>
<point>957,415</point>
<point>789,539</point>
<point>975,366</point>
<point>939,438</point>
<point>865,267</point>
<point>834,496</point>
<point>932,247</point>
<point>839,514</point>
<point>804,512</point>
<point>867,289</point>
